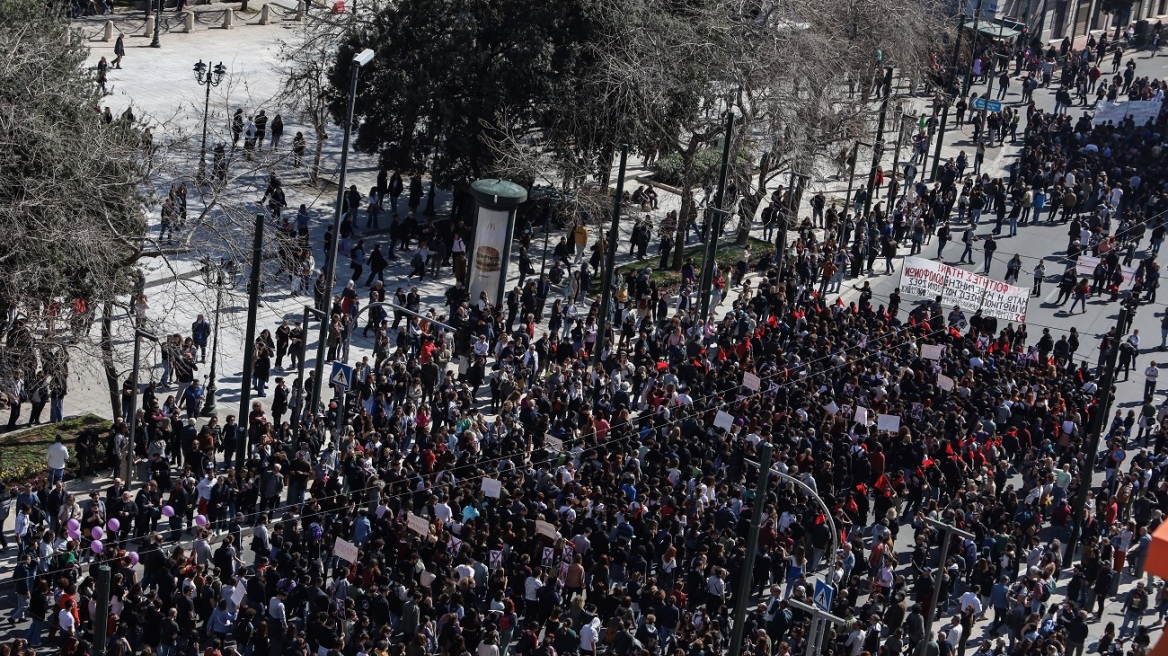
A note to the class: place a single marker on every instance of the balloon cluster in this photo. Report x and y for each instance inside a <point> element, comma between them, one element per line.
<point>97,533</point>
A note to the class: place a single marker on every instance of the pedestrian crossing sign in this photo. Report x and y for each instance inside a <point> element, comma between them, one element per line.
<point>342,375</point>
<point>823,595</point>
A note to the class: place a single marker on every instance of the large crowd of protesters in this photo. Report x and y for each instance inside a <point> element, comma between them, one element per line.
<point>601,504</point>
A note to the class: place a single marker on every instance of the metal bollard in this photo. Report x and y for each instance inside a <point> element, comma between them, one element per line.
<point>149,31</point>
<point>265,15</point>
<point>229,20</point>
<point>109,31</point>
<point>189,22</point>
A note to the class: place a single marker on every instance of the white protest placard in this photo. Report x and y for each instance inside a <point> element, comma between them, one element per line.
<point>496,560</point>
<point>751,381</point>
<point>861,415</point>
<point>238,594</point>
<point>921,277</point>
<point>544,528</point>
<point>831,408</point>
<point>492,488</point>
<point>345,550</point>
<point>1003,301</point>
<point>427,578</point>
<point>549,557</point>
<point>932,351</point>
<point>418,525</point>
<point>890,423</point>
<point>453,545</point>
<point>965,289</point>
<point>944,382</point>
<point>724,420</point>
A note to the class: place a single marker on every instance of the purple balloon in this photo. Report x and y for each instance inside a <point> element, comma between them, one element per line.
<point>200,520</point>
<point>74,525</point>
<point>167,511</point>
<point>76,535</point>
<point>133,558</point>
<point>97,533</point>
<point>96,546</point>
<point>113,524</point>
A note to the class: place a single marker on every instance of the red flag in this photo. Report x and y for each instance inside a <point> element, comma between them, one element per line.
<point>882,484</point>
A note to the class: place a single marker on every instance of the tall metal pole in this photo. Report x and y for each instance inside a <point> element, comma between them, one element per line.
<point>202,176</point>
<point>101,614</point>
<point>709,262</point>
<point>851,180</point>
<point>128,459</point>
<point>1102,410</point>
<point>331,271</point>
<point>209,402</point>
<point>610,260</point>
<point>896,160</point>
<point>947,533</point>
<point>973,50</point>
<point>878,147</point>
<point>157,24</point>
<point>742,593</point>
<point>940,139</point>
<point>253,302</point>
<point>547,223</point>
<point>308,311</point>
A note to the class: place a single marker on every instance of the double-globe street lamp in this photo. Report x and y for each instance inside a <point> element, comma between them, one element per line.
<point>208,78</point>
<point>223,276</point>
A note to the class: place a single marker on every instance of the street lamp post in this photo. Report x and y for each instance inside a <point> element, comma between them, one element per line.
<point>896,158</point>
<point>321,317</point>
<point>550,196</point>
<point>947,533</point>
<point>157,24</point>
<point>220,278</point>
<point>766,470</point>
<point>128,459</point>
<point>359,61</point>
<point>253,302</point>
<point>878,149</point>
<point>207,78</point>
<point>852,177</point>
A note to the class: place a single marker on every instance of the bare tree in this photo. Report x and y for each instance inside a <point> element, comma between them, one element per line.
<point>306,60</point>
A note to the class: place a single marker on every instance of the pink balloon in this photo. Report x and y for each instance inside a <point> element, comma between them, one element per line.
<point>96,546</point>
<point>200,520</point>
<point>167,511</point>
<point>133,558</point>
<point>113,524</point>
<point>97,533</point>
<point>73,525</point>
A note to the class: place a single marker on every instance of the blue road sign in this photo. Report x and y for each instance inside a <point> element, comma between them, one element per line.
<point>991,105</point>
<point>342,375</point>
<point>823,595</point>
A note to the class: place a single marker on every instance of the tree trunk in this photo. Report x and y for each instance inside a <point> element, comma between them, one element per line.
<point>751,201</point>
<point>317,153</point>
<point>682,223</point>
<point>107,359</point>
<point>605,168</point>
